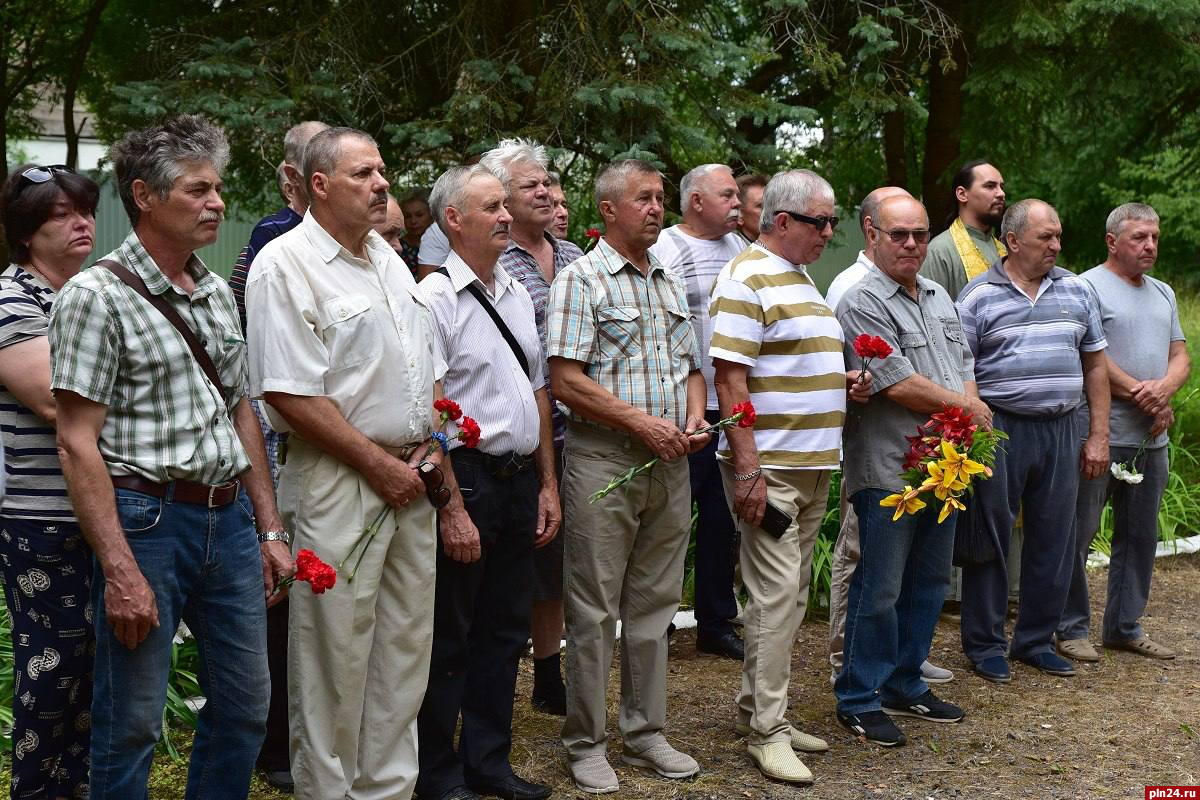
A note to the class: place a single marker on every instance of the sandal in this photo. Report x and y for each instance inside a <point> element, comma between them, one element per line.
<point>1077,650</point>
<point>1143,646</point>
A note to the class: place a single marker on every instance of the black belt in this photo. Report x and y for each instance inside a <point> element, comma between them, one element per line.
<point>201,494</point>
<point>505,466</point>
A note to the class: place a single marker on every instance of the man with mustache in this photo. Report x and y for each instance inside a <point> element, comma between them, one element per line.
<point>625,361</point>
<point>1038,339</point>
<point>533,257</point>
<point>696,250</point>
<point>165,467</point>
<point>343,353</point>
<point>508,503</point>
<point>968,246</point>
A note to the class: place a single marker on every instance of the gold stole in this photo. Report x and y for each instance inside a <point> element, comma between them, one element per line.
<point>974,264</point>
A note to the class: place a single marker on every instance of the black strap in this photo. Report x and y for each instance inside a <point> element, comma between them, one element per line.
<point>135,282</point>
<point>491,310</point>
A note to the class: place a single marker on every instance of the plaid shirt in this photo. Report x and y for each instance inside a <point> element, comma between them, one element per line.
<point>632,332</point>
<point>165,419</point>
<point>520,264</point>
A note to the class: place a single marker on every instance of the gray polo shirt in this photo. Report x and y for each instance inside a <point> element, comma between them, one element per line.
<point>926,339</point>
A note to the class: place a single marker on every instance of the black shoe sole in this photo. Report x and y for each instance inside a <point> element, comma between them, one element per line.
<point>987,676</point>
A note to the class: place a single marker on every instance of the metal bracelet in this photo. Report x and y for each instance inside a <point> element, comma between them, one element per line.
<point>747,476</point>
<point>275,536</point>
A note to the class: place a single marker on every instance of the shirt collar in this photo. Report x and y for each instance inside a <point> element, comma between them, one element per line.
<point>863,260</point>
<point>554,244</point>
<point>778,259</point>
<point>614,262</point>
<point>328,248</point>
<point>888,285</point>
<point>142,263</point>
<point>996,273</point>
<point>462,276</point>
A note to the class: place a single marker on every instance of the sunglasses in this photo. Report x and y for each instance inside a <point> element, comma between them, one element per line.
<point>434,480</point>
<point>901,236</point>
<point>43,174</point>
<point>817,222</point>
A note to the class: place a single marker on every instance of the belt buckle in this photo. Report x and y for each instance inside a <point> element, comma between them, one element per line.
<point>212,491</point>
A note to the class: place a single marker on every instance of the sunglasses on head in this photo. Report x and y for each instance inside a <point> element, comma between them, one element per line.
<point>43,174</point>
<point>817,222</point>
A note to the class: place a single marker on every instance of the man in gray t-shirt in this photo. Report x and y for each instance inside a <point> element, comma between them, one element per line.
<point>1148,363</point>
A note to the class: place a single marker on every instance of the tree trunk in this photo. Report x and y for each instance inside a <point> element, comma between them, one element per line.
<point>943,128</point>
<point>71,81</point>
<point>894,148</point>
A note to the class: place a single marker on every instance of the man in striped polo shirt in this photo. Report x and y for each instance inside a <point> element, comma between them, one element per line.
<point>1038,340</point>
<point>776,344</point>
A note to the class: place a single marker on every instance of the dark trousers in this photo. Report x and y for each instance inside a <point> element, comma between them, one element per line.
<point>716,548</point>
<point>47,580</point>
<point>480,627</point>
<point>273,757</point>
<point>1039,467</point>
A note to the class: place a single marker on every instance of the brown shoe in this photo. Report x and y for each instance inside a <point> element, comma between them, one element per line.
<point>1143,646</point>
<point>1077,649</point>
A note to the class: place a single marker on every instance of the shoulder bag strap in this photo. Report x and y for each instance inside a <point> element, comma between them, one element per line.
<point>134,281</point>
<point>496,318</point>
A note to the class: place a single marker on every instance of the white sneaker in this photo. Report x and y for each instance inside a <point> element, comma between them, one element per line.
<point>931,673</point>
<point>593,775</point>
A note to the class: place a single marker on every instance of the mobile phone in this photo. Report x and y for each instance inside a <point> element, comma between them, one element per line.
<point>774,521</point>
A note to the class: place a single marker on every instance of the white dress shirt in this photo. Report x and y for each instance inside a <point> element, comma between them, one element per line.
<point>323,322</point>
<point>846,279</point>
<point>482,373</point>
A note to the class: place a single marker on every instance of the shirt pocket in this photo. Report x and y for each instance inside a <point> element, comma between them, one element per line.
<point>679,333</point>
<point>351,333</point>
<point>952,328</point>
<point>618,332</point>
<point>912,341</point>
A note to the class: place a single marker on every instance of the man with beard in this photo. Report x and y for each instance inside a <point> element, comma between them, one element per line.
<point>696,250</point>
<point>968,246</point>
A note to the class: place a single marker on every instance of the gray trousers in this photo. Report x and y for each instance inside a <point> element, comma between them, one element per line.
<point>624,560</point>
<point>1135,538</point>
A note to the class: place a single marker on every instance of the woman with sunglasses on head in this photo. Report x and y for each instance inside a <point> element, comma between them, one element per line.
<point>50,227</point>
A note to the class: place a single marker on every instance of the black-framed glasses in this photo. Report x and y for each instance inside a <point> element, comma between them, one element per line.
<point>43,174</point>
<point>435,483</point>
<point>901,236</point>
<point>817,222</point>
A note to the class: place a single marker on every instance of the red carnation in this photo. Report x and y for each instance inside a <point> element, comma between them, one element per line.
<point>469,432</point>
<point>746,409</point>
<point>867,346</point>
<point>312,570</point>
<point>592,233</point>
<point>447,407</point>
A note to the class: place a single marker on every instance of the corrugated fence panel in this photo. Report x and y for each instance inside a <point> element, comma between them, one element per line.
<point>112,226</point>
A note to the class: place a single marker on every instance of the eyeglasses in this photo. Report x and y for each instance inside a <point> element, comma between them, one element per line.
<point>817,222</point>
<point>900,237</point>
<point>43,174</point>
<point>434,480</point>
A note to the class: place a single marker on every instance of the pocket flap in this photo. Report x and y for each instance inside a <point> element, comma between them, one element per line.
<point>621,313</point>
<point>912,340</point>
<point>340,309</point>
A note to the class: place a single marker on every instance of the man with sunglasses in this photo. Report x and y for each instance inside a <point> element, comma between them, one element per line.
<point>901,579</point>
<point>506,500</point>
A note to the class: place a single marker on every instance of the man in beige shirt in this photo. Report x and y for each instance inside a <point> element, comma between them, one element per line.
<point>342,350</point>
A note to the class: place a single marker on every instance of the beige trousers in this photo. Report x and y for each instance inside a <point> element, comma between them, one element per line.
<point>841,571</point>
<point>358,655</point>
<point>623,560</point>
<point>776,573</point>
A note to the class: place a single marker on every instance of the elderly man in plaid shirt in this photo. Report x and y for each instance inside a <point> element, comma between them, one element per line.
<point>624,360</point>
<point>138,414</point>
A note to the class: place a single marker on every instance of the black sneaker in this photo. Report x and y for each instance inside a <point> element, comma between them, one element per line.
<point>875,726</point>
<point>927,707</point>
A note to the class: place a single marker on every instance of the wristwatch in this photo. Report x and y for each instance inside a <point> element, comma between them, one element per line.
<point>275,536</point>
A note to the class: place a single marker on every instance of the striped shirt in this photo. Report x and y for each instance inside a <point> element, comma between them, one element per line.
<point>165,419</point>
<point>698,262</point>
<point>520,264</point>
<point>482,373</point>
<point>768,315</point>
<point>269,227</point>
<point>1027,351</point>
<point>36,489</point>
<point>631,331</point>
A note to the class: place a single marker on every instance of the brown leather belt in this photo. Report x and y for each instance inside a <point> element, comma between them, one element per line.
<point>201,494</point>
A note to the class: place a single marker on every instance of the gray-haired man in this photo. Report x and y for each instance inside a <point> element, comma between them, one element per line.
<point>1147,364</point>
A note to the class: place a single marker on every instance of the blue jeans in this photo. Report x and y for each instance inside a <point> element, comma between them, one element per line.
<point>895,598</point>
<point>204,567</point>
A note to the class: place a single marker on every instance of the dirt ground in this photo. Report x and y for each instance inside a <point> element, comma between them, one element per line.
<point>1108,732</point>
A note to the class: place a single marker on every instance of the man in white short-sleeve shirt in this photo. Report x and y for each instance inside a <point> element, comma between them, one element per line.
<point>342,350</point>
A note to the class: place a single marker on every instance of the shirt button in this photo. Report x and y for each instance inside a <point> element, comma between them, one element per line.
<point>223,462</point>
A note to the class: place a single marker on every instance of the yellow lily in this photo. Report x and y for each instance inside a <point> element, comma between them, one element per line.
<point>941,481</point>
<point>907,502</point>
<point>957,465</point>
<point>952,502</point>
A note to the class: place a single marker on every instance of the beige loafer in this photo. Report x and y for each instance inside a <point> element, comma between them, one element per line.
<point>1143,646</point>
<point>1077,649</point>
<point>776,760</point>
<point>804,742</point>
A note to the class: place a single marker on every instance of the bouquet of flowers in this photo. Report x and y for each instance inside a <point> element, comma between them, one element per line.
<point>944,457</point>
<point>468,434</point>
<point>743,416</point>
<point>311,570</point>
